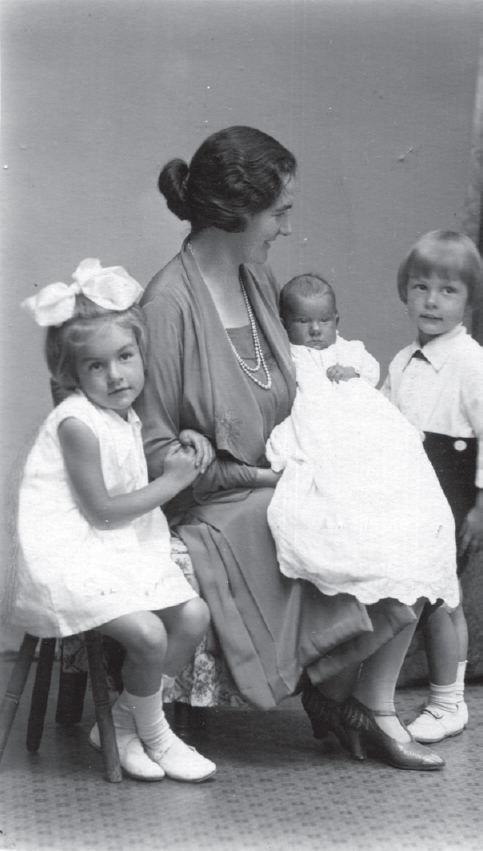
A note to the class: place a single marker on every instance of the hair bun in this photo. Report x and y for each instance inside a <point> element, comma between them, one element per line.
<point>172,184</point>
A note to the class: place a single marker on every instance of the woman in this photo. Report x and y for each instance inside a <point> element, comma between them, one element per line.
<point>220,367</point>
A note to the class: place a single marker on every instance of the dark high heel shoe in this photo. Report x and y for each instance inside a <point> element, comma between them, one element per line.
<point>406,755</point>
<point>324,716</point>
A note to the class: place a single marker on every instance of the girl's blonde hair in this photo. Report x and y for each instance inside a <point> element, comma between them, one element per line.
<point>449,254</point>
<point>63,341</point>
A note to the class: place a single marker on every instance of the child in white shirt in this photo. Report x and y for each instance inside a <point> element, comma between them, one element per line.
<point>437,383</point>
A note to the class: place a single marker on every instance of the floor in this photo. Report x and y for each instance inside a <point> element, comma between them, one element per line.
<point>276,789</point>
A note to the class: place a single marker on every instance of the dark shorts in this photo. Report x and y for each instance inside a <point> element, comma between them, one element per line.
<point>454,462</point>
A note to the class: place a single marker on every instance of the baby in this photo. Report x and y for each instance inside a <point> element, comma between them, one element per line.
<point>309,314</point>
<point>358,508</point>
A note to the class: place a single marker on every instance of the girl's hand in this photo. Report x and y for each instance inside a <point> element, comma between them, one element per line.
<point>341,373</point>
<point>180,464</point>
<point>204,452</point>
<point>472,530</point>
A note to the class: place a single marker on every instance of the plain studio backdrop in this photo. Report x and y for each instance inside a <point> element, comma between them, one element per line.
<point>374,97</point>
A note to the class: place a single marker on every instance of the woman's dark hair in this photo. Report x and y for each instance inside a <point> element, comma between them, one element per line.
<point>234,174</point>
<point>63,341</point>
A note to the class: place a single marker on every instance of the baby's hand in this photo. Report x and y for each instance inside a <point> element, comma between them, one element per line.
<point>204,452</point>
<point>341,373</point>
<point>180,462</point>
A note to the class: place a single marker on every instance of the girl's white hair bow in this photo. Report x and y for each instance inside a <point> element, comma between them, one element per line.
<point>111,288</point>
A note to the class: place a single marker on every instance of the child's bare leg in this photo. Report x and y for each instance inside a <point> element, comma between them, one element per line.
<point>443,716</point>
<point>441,648</point>
<point>149,643</point>
<point>145,640</point>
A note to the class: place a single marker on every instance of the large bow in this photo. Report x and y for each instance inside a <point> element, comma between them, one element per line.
<point>111,288</point>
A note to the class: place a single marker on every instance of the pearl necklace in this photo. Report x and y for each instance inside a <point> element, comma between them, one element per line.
<point>260,362</point>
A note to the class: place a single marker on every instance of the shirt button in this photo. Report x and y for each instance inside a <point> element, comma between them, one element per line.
<point>460,445</point>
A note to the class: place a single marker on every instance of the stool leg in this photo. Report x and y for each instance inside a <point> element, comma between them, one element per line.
<point>15,687</point>
<point>102,706</point>
<point>40,694</point>
<point>70,699</point>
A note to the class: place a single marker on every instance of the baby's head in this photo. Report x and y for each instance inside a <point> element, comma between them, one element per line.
<point>309,312</point>
<point>96,335</point>
<point>440,277</point>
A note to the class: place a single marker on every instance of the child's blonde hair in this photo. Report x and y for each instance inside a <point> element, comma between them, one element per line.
<point>450,254</point>
<point>63,341</point>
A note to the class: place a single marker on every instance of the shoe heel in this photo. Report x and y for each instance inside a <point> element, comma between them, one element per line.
<point>357,747</point>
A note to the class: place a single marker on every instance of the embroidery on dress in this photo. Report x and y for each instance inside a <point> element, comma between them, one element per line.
<point>227,428</point>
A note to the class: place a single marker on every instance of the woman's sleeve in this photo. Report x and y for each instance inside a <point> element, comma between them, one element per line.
<point>223,475</point>
<point>159,404</point>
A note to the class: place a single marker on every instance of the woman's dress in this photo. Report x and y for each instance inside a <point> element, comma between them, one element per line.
<point>358,508</point>
<point>269,627</point>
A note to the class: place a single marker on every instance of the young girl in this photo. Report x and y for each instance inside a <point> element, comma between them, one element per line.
<point>94,545</point>
<point>437,383</point>
<point>358,508</point>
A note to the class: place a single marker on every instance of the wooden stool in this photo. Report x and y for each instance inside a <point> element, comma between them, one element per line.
<point>40,694</point>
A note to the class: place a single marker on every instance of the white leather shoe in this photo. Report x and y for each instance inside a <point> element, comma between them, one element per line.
<point>435,724</point>
<point>132,756</point>
<point>182,762</point>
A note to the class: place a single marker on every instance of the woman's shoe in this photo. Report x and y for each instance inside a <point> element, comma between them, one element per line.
<point>324,716</point>
<point>406,755</point>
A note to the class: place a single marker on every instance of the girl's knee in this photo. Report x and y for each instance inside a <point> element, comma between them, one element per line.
<point>149,639</point>
<point>197,615</point>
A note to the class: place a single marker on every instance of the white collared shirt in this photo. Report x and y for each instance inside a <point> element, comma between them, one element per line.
<point>444,392</point>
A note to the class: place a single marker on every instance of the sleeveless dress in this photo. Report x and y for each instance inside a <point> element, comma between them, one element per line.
<point>358,508</point>
<point>71,576</point>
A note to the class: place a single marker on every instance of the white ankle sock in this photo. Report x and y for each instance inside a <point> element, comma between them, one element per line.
<point>443,696</point>
<point>152,726</point>
<point>460,682</point>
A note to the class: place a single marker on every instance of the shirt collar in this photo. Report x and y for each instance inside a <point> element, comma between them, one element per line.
<point>438,351</point>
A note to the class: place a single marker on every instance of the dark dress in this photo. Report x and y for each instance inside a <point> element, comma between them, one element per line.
<point>269,627</point>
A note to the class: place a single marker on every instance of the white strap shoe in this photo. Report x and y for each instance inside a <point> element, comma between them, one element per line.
<point>182,762</point>
<point>132,756</point>
<point>435,724</point>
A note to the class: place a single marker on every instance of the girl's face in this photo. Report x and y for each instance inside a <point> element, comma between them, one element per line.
<point>263,228</point>
<point>312,321</point>
<point>110,368</point>
<point>435,304</point>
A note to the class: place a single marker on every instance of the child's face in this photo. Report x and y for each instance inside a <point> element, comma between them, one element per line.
<point>435,304</point>
<point>110,368</point>
<point>312,321</point>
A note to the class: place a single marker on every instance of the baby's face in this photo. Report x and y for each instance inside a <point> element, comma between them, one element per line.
<point>312,321</point>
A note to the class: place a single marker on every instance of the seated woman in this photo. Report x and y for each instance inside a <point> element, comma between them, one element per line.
<point>220,367</point>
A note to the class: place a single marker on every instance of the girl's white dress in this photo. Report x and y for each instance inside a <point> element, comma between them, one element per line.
<point>71,576</point>
<point>358,509</point>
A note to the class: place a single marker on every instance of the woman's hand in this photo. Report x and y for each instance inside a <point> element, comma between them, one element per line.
<point>204,452</point>
<point>180,464</point>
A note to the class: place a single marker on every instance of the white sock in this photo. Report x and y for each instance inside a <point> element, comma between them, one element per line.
<point>460,682</point>
<point>152,726</point>
<point>444,697</point>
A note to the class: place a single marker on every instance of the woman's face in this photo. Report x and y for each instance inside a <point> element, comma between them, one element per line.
<point>263,228</point>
